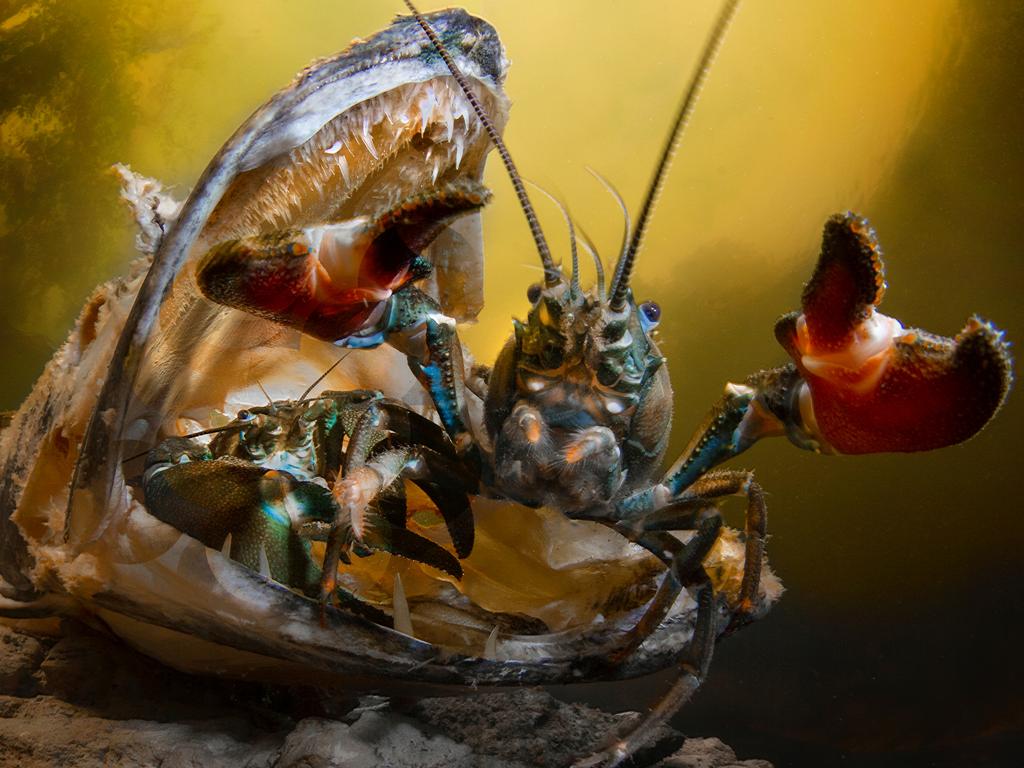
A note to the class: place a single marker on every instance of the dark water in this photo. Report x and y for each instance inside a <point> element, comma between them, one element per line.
<point>898,642</point>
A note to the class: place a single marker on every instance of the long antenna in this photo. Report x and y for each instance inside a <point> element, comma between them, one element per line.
<point>620,282</point>
<point>189,436</point>
<point>325,374</point>
<point>552,275</point>
<point>270,400</point>
<point>574,281</point>
<point>589,247</point>
<point>627,224</point>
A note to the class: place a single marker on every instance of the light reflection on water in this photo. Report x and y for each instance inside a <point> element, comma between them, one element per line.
<point>909,113</point>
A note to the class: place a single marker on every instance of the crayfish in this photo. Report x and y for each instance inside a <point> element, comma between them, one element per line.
<point>345,214</point>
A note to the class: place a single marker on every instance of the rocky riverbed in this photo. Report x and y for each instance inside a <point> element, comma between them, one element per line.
<point>70,696</point>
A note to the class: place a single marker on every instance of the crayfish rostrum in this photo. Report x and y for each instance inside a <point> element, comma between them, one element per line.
<point>412,520</point>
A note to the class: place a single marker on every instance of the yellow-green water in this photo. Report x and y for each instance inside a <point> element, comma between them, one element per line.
<point>897,633</point>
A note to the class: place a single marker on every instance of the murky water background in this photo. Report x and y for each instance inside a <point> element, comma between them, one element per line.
<point>897,643</point>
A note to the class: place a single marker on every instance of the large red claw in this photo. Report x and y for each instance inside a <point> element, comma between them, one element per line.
<point>871,385</point>
<point>309,279</point>
<point>332,281</point>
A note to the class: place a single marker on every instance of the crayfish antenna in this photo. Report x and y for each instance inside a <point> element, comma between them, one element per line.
<point>270,400</point>
<point>324,375</point>
<point>627,226</point>
<point>590,248</point>
<point>552,274</point>
<point>574,282</point>
<point>620,280</point>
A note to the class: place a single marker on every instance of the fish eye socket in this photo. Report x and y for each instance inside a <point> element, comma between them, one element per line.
<point>650,314</point>
<point>533,293</point>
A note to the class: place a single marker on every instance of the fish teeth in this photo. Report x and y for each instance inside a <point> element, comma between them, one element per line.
<point>449,124</point>
<point>460,147</point>
<point>491,645</point>
<point>264,563</point>
<point>462,111</point>
<point>400,609</point>
<point>171,559</point>
<point>236,584</point>
<point>425,112</point>
<point>368,139</point>
<point>225,548</point>
<point>343,164</point>
<point>427,104</point>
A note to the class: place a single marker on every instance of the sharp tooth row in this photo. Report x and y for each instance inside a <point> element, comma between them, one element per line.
<point>316,164</point>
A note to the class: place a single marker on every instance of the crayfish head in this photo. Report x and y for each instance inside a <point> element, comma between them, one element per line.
<point>580,403</point>
<point>283,428</point>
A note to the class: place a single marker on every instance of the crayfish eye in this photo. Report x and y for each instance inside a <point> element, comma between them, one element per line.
<point>608,375</point>
<point>551,357</point>
<point>650,315</point>
<point>244,415</point>
<point>533,293</point>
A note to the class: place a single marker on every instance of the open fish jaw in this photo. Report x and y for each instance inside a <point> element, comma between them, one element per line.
<point>365,159</point>
<point>352,135</point>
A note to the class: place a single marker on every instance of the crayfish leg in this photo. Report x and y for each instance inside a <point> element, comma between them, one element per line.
<point>696,510</point>
<point>369,499</point>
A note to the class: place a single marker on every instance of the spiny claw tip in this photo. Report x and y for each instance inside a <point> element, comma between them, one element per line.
<point>848,281</point>
<point>982,349</point>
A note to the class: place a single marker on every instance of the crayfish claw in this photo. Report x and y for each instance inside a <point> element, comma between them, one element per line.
<point>870,384</point>
<point>404,543</point>
<point>847,284</point>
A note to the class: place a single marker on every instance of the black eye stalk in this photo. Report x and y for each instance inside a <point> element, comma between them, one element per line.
<point>533,293</point>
